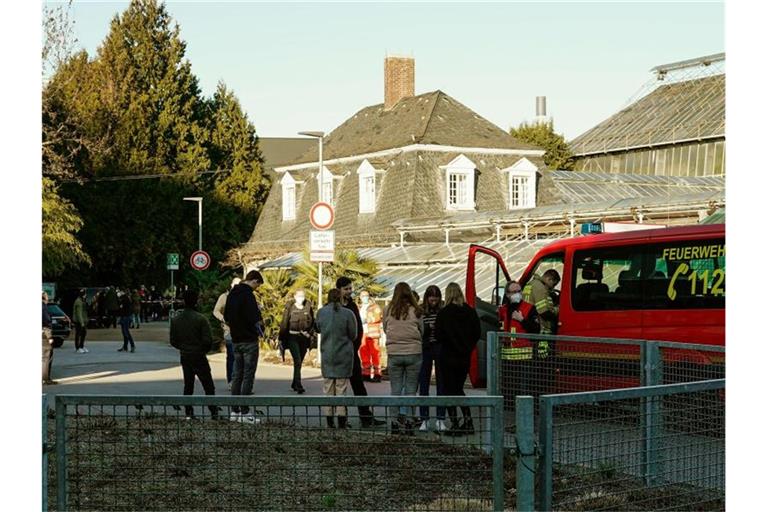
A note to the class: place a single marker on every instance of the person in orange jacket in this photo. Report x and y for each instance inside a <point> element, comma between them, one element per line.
<point>517,316</point>
<point>370,356</point>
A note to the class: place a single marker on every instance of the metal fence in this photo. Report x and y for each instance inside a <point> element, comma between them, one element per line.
<point>649,448</point>
<point>45,452</point>
<point>142,453</point>
<point>536,365</point>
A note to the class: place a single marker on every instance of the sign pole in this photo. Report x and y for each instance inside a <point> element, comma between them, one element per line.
<point>170,315</point>
<point>320,263</point>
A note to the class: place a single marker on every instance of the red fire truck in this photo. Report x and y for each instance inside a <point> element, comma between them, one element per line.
<point>655,284</point>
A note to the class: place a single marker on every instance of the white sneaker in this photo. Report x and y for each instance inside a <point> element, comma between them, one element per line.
<point>81,351</point>
<point>249,419</point>
<point>85,350</point>
<point>424,426</point>
<point>440,426</point>
<point>235,416</point>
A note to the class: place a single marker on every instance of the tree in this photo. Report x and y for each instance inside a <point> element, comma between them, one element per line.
<point>61,223</point>
<point>558,155</point>
<point>362,271</point>
<point>273,296</point>
<point>234,146</point>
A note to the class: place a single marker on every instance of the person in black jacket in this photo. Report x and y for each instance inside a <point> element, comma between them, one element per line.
<point>458,330</point>
<point>344,285</point>
<point>126,313</point>
<point>296,330</point>
<point>191,335</point>
<point>243,316</point>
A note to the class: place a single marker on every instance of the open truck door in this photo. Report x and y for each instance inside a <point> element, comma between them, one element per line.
<point>486,278</point>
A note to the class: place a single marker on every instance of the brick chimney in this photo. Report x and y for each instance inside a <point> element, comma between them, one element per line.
<point>398,79</point>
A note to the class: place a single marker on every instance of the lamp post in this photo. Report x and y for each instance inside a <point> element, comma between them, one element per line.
<point>199,201</point>
<point>319,136</point>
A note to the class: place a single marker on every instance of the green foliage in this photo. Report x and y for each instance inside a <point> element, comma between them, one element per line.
<point>61,222</point>
<point>362,271</point>
<point>273,296</point>
<point>558,155</point>
<point>136,109</point>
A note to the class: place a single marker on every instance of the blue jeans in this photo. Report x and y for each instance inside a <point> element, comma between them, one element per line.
<point>230,356</point>
<point>125,326</point>
<point>430,354</point>
<point>244,371</point>
<point>404,379</point>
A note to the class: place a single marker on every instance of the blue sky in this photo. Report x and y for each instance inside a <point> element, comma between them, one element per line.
<point>309,66</point>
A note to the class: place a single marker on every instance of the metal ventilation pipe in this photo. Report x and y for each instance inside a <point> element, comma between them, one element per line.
<point>541,106</point>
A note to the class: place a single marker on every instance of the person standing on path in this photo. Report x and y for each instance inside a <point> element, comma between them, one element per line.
<point>403,327</point>
<point>344,285</point>
<point>47,344</point>
<point>242,314</point>
<point>126,312</point>
<point>80,319</point>
<point>430,355</point>
<point>370,356</point>
<point>338,328</point>
<point>191,335</point>
<point>458,330</point>
<point>296,330</point>
<point>136,304</point>
<point>218,313</point>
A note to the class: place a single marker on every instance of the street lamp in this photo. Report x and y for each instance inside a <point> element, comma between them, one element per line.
<point>319,136</point>
<point>199,201</point>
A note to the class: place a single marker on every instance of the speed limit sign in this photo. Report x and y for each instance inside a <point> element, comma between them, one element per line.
<point>200,260</point>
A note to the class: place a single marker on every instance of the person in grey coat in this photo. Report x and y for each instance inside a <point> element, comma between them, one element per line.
<point>338,330</point>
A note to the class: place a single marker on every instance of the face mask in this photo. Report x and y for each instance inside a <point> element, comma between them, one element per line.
<point>364,299</point>
<point>299,300</point>
<point>515,297</point>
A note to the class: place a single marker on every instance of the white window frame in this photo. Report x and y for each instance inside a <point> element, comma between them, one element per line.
<point>461,170</point>
<point>523,172</point>
<point>289,197</point>
<point>367,175</point>
<point>326,186</point>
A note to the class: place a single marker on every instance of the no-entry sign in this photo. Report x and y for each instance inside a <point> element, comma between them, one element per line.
<point>321,215</point>
<point>200,260</point>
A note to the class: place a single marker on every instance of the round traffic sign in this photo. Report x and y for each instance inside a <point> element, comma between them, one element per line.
<point>200,260</point>
<point>321,215</point>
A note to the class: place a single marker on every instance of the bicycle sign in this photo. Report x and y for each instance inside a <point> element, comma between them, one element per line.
<point>200,260</point>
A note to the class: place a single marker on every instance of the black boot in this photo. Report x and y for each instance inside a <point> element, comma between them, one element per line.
<point>329,422</point>
<point>468,428</point>
<point>343,422</point>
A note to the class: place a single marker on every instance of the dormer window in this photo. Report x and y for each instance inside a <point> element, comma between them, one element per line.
<point>521,180</point>
<point>460,184</point>
<point>289,197</point>
<point>325,182</point>
<point>367,186</point>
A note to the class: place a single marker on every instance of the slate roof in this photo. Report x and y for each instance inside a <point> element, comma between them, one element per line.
<point>691,109</point>
<point>430,118</point>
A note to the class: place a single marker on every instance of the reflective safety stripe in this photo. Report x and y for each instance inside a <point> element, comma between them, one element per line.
<point>543,349</point>
<point>516,353</point>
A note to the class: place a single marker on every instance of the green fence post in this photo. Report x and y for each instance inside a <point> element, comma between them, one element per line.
<point>492,364</point>
<point>497,423</point>
<point>652,414</point>
<point>526,457</point>
<point>545,464</point>
<point>61,455</point>
<point>45,453</point>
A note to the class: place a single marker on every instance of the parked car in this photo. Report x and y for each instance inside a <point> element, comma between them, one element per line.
<point>61,325</point>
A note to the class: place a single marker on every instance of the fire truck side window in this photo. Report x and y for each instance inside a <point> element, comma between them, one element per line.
<point>675,275</point>
<point>547,262</point>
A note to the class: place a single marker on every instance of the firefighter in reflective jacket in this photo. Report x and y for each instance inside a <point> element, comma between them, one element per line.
<point>539,292</point>
<point>516,315</point>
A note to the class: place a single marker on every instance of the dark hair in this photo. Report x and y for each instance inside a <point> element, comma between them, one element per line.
<point>432,291</point>
<point>190,298</point>
<point>334,297</point>
<point>553,274</point>
<point>343,281</point>
<point>254,275</point>
<point>402,301</point>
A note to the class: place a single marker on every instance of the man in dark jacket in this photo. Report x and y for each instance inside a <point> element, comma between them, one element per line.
<point>47,344</point>
<point>191,335</point>
<point>344,285</point>
<point>243,316</point>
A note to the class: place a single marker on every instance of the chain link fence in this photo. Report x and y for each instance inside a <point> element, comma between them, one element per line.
<point>144,453</point>
<point>536,365</point>
<point>650,448</point>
